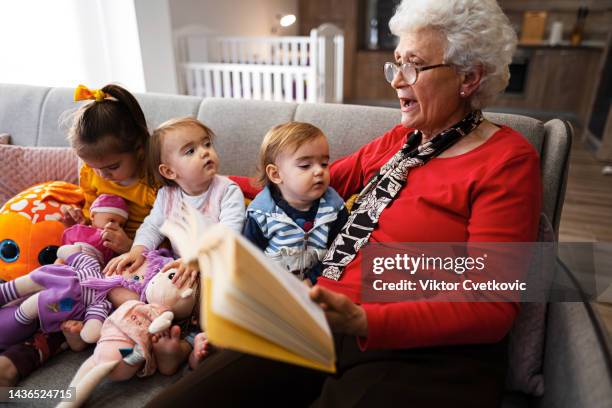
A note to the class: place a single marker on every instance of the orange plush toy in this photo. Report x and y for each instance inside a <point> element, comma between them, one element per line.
<point>30,227</point>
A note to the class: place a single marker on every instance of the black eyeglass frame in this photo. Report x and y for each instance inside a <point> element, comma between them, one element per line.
<point>401,67</point>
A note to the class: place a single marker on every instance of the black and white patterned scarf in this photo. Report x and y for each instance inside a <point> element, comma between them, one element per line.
<point>382,189</point>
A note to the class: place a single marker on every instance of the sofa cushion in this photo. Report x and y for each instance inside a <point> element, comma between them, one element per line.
<point>240,126</point>
<point>59,371</point>
<point>576,367</point>
<point>348,127</point>
<point>5,138</point>
<point>56,116</point>
<point>159,108</point>
<point>58,111</point>
<point>20,107</point>
<point>22,167</point>
<point>531,128</point>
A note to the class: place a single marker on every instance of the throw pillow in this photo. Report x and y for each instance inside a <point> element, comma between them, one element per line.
<point>23,166</point>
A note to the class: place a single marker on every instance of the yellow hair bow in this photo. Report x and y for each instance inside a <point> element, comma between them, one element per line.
<point>82,93</point>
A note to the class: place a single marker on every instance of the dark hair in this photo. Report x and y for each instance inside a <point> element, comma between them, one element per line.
<point>113,125</point>
<point>155,144</point>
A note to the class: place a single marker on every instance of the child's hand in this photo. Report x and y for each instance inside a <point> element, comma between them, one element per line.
<point>184,275</point>
<point>115,238</point>
<point>130,261</point>
<point>72,216</point>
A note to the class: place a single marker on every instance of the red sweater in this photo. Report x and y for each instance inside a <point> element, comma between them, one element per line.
<point>489,194</point>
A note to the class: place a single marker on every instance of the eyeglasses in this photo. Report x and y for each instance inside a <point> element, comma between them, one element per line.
<point>409,71</point>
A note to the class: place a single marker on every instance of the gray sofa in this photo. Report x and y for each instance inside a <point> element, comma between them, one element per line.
<point>576,372</point>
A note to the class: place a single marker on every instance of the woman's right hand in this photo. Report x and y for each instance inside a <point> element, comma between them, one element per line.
<point>72,215</point>
<point>130,260</point>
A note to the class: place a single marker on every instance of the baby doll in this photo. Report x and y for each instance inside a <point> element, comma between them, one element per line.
<point>106,210</point>
<point>125,345</point>
<point>137,282</point>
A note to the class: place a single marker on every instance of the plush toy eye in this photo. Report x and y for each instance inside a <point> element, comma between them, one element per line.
<point>9,251</point>
<point>48,255</point>
<point>136,278</point>
<point>171,276</point>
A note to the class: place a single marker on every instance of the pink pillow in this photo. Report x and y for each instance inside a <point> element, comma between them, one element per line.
<point>23,166</point>
<point>5,138</point>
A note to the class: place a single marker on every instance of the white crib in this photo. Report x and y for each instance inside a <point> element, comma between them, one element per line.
<point>293,69</point>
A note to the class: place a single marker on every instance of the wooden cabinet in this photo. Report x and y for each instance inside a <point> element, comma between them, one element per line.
<point>558,81</point>
<point>598,132</point>
<point>343,14</point>
<point>604,151</point>
<point>370,83</point>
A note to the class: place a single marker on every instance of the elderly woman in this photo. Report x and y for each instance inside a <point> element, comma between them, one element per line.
<point>462,179</point>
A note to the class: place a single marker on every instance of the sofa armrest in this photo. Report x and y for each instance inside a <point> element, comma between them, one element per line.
<point>576,370</point>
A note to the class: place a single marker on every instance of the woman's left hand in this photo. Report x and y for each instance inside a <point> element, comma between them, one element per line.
<point>115,238</point>
<point>343,315</point>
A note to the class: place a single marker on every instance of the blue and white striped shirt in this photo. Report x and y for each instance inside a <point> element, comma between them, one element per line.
<point>287,242</point>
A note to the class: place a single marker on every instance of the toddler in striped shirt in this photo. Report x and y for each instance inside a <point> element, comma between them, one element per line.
<point>297,215</point>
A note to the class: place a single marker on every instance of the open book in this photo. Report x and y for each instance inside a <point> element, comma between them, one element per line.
<point>248,303</point>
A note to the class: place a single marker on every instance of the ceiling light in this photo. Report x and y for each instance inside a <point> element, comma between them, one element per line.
<point>287,20</point>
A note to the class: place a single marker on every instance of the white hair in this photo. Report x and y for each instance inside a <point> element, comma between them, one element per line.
<point>477,32</point>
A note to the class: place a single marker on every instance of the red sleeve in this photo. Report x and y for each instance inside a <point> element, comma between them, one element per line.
<point>505,208</point>
<point>506,205</point>
<point>349,174</point>
<point>246,185</point>
<point>428,324</point>
<point>346,175</point>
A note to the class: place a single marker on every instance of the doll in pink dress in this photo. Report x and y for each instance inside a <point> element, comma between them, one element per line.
<point>125,347</point>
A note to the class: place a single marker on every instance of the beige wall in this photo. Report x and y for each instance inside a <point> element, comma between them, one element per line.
<point>156,47</point>
<point>67,42</point>
<point>233,17</point>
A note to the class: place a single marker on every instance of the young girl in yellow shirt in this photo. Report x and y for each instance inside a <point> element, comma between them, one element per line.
<point>111,137</point>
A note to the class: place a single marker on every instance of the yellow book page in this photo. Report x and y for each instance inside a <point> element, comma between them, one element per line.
<point>224,333</point>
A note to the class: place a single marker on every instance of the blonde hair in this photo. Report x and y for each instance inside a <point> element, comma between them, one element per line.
<point>155,144</point>
<point>287,137</point>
